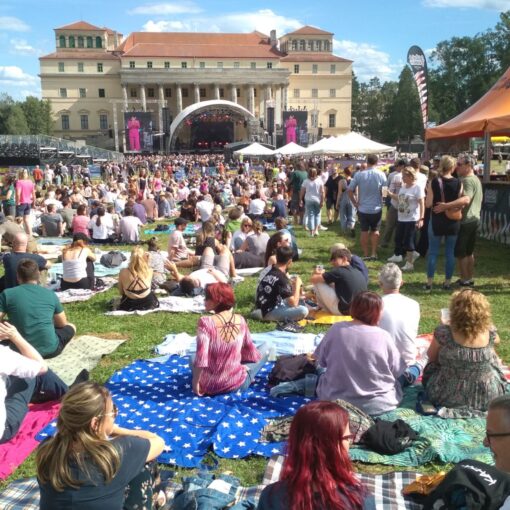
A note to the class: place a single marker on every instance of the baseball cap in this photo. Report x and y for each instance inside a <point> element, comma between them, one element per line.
<point>180,221</point>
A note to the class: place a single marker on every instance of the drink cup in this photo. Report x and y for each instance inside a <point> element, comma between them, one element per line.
<point>319,267</point>
<point>384,191</point>
<point>445,315</point>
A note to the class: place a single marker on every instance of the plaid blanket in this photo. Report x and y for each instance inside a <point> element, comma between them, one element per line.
<point>20,495</point>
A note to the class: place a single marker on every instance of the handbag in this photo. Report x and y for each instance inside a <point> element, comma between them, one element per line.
<point>454,213</point>
<point>291,367</point>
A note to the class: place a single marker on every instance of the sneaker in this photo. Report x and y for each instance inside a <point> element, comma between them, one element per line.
<point>289,326</point>
<point>446,286</point>
<point>395,258</point>
<point>427,287</point>
<point>416,256</point>
<point>408,267</point>
<point>321,227</point>
<point>465,283</point>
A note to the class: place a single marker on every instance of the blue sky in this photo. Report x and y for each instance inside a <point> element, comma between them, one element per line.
<point>376,34</point>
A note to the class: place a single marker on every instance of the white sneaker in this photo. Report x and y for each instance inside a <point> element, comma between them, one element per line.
<point>416,256</point>
<point>395,258</point>
<point>321,227</point>
<point>408,267</point>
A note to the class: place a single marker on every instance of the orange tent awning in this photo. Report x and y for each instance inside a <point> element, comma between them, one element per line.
<point>490,114</point>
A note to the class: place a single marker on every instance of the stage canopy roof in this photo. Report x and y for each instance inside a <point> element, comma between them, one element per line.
<point>490,114</point>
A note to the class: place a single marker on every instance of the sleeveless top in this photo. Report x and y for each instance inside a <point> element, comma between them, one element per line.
<point>75,268</point>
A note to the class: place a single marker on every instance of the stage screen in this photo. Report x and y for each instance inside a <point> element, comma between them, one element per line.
<point>295,128</point>
<point>139,134</point>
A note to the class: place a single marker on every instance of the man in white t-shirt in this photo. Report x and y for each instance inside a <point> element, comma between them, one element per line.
<point>257,206</point>
<point>177,248</point>
<point>24,377</point>
<point>129,226</point>
<point>401,315</point>
<point>205,207</point>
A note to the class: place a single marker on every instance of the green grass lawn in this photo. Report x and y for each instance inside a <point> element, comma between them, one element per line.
<point>143,333</point>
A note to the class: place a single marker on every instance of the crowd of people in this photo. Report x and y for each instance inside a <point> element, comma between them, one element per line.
<point>244,223</point>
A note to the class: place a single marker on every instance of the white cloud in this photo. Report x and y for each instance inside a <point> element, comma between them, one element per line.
<point>263,20</point>
<point>12,24</point>
<point>14,75</point>
<point>21,47</point>
<point>369,62</point>
<point>164,9</point>
<point>496,5</point>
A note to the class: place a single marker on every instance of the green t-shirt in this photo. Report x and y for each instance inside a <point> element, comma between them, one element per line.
<point>233,225</point>
<point>297,179</point>
<point>472,188</point>
<point>31,309</point>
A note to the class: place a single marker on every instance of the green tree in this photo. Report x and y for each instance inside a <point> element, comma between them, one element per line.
<point>16,123</point>
<point>500,41</point>
<point>6,104</point>
<point>356,106</point>
<point>38,115</point>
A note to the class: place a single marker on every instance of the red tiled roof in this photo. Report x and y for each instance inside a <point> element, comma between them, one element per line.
<point>83,25</point>
<point>79,55</point>
<point>309,30</point>
<point>313,57</point>
<point>199,45</point>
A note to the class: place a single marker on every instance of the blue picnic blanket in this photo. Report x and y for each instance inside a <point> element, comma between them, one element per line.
<point>157,396</point>
<point>190,230</point>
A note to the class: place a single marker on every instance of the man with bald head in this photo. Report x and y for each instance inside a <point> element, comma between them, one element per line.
<point>11,260</point>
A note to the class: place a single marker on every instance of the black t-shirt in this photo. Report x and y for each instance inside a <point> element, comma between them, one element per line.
<point>209,242</point>
<point>94,494</point>
<point>272,290</point>
<point>332,187</point>
<point>348,282</point>
<point>441,225</point>
<point>280,209</point>
<point>11,261</point>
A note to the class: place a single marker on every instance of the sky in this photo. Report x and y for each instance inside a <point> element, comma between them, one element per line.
<point>375,34</point>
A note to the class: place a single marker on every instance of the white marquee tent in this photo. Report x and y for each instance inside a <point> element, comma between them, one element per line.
<point>255,149</point>
<point>349,143</point>
<point>291,149</point>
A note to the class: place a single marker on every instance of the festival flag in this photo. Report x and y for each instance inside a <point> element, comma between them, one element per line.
<point>416,59</point>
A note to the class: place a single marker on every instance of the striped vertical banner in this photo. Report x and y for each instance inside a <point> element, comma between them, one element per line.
<point>416,59</point>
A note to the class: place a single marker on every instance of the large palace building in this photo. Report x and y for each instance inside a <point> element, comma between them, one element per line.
<point>195,90</point>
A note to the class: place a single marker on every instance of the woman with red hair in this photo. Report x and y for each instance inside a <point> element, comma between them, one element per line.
<point>226,358</point>
<point>361,360</point>
<point>317,473</point>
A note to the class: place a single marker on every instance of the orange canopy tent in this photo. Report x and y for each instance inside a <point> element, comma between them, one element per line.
<point>490,114</point>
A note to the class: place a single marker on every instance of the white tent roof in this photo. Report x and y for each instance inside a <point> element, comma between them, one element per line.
<point>255,149</point>
<point>290,149</point>
<point>349,143</point>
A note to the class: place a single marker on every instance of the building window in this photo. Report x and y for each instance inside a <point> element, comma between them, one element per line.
<point>308,45</point>
<point>167,65</point>
<point>315,69</point>
<point>201,65</point>
<point>80,67</point>
<point>84,121</point>
<point>332,120</point>
<point>294,45</point>
<point>222,92</point>
<point>302,45</point>
<point>103,121</point>
<point>133,93</point>
<point>253,65</point>
<point>81,42</point>
<point>219,65</point>
<point>296,93</point>
<point>315,93</point>
<point>185,93</point>
<point>168,92</point>
<point>149,65</point>
<point>99,42</point>
<point>326,46</point>
<point>332,69</point>
<point>296,68</point>
<point>150,92</point>
<point>238,92</point>
<point>90,42</point>
<point>184,65</point>
<point>63,92</point>
<point>83,92</point>
<point>318,45</point>
<point>202,92</point>
<point>132,64</point>
<point>101,93</point>
<point>71,41</point>
<point>332,92</point>
<point>236,65</point>
<point>61,67</point>
<point>65,122</point>
<point>269,65</point>
<point>314,118</point>
<point>62,44</point>
<point>99,67</point>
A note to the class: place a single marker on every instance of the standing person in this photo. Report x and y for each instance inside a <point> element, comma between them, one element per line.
<point>312,197</point>
<point>296,179</point>
<point>441,190</point>
<point>411,210</point>
<point>394,183</point>
<point>369,204</point>
<point>38,175</point>
<point>331,195</point>
<point>133,127</point>
<point>346,210</point>
<point>25,199</point>
<point>91,463</point>
<point>8,192</point>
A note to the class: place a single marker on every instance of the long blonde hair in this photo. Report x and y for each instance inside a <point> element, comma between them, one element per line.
<point>76,441</point>
<point>138,264</point>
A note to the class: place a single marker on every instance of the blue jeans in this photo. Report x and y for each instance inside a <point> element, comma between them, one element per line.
<point>286,312</point>
<point>20,392</point>
<point>312,214</point>
<point>449,249</point>
<point>347,212</point>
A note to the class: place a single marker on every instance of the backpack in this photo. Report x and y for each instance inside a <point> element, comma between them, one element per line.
<point>291,368</point>
<point>112,259</point>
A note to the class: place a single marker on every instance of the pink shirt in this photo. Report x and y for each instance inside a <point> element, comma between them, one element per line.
<point>220,361</point>
<point>80,225</point>
<point>25,188</point>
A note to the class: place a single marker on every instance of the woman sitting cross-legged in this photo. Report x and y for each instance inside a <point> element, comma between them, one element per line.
<point>226,358</point>
<point>91,463</point>
<point>317,472</point>
<point>78,264</point>
<point>135,283</point>
<point>464,372</point>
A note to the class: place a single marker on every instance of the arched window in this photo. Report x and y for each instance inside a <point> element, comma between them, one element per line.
<point>318,45</point>
<point>62,41</point>
<point>71,41</point>
<point>326,45</point>
<point>81,42</point>
<point>90,42</point>
<point>99,42</point>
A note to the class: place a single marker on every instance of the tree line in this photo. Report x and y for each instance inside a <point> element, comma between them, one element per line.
<point>461,71</point>
<point>29,117</point>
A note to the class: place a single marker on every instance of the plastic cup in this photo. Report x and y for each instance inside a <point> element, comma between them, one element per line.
<point>384,191</point>
<point>445,315</point>
<point>319,267</point>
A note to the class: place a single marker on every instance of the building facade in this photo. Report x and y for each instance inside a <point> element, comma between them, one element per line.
<point>95,76</point>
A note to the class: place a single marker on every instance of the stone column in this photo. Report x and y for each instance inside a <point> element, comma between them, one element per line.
<point>125,96</point>
<point>284,97</point>
<point>234,93</point>
<point>216,91</point>
<point>144,99</point>
<point>278,105</point>
<point>196,93</point>
<point>251,98</point>
<point>115,127</point>
<point>178,94</point>
<point>160,108</point>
